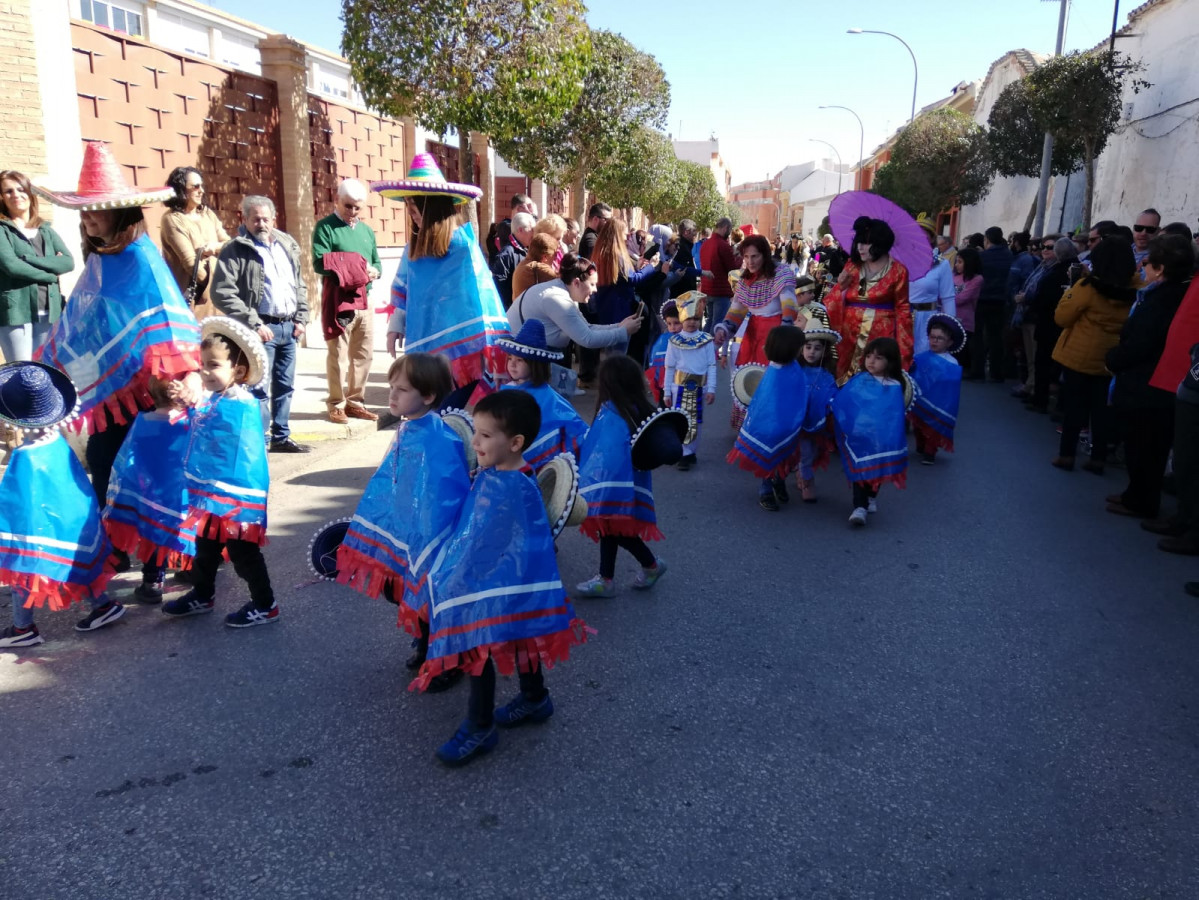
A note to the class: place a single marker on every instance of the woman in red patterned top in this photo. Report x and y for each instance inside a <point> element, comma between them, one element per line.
<point>870,299</point>
<point>766,294</point>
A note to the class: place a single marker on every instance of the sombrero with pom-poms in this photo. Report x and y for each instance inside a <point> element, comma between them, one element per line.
<point>35,396</point>
<point>102,185</point>
<point>425,180</point>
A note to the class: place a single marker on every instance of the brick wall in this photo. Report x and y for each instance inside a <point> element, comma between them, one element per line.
<point>160,109</point>
<point>23,139</point>
<point>352,143</point>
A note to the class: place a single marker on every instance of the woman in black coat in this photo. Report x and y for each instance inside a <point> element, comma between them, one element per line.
<point>1042,305</point>
<point>1145,413</point>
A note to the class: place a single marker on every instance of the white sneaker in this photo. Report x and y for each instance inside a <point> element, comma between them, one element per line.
<point>872,505</point>
<point>857,518</point>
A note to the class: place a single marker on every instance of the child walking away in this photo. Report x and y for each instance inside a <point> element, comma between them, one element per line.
<point>496,598</point>
<point>412,501</point>
<point>819,363</point>
<point>691,371</point>
<point>227,476</point>
<point>53,549</point>
<point>656,373</point>
<point>614,473</point>
<point>869,414</point>
<point>938,376</point>
<point>147,496</point>
<point>562,429</point>
<point>768,442</point>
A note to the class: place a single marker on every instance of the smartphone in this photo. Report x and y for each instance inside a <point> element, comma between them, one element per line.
<point>641,309</point>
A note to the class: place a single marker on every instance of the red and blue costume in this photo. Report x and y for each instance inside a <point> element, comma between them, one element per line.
<point>620,499</point>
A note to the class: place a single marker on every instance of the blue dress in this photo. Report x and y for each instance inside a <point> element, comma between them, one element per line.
<point>768,442</point>
<point>494,591</point>
<point>226,469</point>
<point>870,431</point>
<point>562,429</point>
<point>147,496</point>
<point>406,513</point>
<point>620,499</point>
<point>52,543</point>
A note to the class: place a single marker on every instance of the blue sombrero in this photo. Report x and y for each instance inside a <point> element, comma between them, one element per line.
<point>35,396</point>
<point>322,549</point>
<point>957,331</point>
<point>529,342</point>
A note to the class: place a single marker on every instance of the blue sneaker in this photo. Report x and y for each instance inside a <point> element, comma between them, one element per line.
<point>190,604</point>
<point>467,743</point>
<point>647,578</point>
<point>520,711</point>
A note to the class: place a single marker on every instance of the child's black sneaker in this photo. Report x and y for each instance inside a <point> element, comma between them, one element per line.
<point>250,615</point>
<point>927,459</point>
<point>520,711</point>
<point>12,636</point>
<point>767,502</point>
<point>121,562</point>
<point>467,743</point>
<point>100,616</point>
<point>149,592</point>
<point>780,490</point>
<point>190,604</point>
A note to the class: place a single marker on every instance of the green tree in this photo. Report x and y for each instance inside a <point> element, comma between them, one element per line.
<point>1015,137</point>
<point>1077,98</point>
<point>733,213</point>
<point>500,67</point>
<point>643,172</point>
<point>938,161</point>
<point>623,88</point>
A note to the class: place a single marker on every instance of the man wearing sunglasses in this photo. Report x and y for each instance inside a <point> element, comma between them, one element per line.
<point>1147,225</point>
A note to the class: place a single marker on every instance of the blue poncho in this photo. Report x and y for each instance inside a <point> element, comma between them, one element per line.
<point>495,590</point>
<point>562,430</point>
<point>768,442</point>
<point>870,431</point>
<point>935,412</point>
<point>620,499</point>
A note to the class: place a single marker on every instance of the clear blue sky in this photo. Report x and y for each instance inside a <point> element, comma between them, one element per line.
<point>755,78</point>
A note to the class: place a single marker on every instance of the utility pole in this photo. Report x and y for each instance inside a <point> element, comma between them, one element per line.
<point>1047,148</point>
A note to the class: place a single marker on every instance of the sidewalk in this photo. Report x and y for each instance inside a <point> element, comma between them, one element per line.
<point>309,419</point>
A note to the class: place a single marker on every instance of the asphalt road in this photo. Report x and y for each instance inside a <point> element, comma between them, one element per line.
<point>991,691</point>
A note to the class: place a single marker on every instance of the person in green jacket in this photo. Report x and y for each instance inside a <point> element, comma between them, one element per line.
<point>350,350</point>
<point>32,256</point>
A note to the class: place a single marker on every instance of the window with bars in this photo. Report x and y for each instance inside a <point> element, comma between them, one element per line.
<point>124,18</point>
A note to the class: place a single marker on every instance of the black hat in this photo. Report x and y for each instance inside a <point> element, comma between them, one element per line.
<point>322,549</point>
<point>658,441</point>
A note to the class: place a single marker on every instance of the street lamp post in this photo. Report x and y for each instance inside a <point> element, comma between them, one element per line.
<point>834,149</point>
<point>860,183</point>
<point>915,68</point>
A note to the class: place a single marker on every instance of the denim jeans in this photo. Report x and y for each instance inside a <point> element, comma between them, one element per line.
<point>22,616</point>
<point>281,376</point>
<point>17,342</point>
<point>718,311</point>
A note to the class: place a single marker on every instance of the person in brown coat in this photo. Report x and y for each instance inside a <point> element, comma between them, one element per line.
<point>538,266</point>
<point>191,231</point>
<point>1091,315</point>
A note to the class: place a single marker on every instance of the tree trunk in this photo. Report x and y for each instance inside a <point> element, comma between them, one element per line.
<point>1088,194</point>
<point>578,200</point>
<point>466,159</point>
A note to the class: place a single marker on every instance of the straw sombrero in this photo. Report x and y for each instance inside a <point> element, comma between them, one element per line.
<point>658,441</point>
<point>817,332</point>
<point>246,340</point>
<point>952,324</point>
<point>558,482</point>
<point>425,180</point>
<point>529,342</point>
<point>322,549</point>
<point>745,381</point>
<point>102,185</point>
<point>35,396</point>
<point>461,423</point>
<point>911,391</point>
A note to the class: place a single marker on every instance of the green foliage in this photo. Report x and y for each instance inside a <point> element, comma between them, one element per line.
<point>699,199</point>
<point>938,161</point>
<point>1016,137</point>
<point>501,67</point>
<point>733,213</point>
<point>823,228</point>
<point>643,172</point>
<point>623,89</point>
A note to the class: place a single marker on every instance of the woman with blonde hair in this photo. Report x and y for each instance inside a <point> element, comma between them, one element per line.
<point>615,297</point>
<point>32,257</point>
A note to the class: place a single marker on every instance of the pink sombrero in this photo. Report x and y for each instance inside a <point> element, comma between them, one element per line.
<point>102,185</point>
<point>425,180</point>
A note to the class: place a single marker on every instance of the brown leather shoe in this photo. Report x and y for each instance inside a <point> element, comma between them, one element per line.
<point>338,416</point>
<point>354,411</point>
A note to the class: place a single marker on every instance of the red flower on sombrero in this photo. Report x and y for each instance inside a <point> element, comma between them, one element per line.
<point>102,185</point>
<point>425,180</point>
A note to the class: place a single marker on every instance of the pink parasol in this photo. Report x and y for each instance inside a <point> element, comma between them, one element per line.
<point>911,241</point>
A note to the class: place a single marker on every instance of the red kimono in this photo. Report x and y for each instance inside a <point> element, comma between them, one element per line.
<point>881,311</point>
